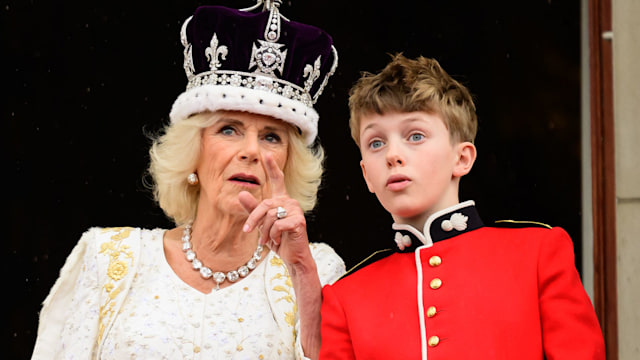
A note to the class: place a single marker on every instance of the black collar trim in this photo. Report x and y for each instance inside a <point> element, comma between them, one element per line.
<point>442,225</point>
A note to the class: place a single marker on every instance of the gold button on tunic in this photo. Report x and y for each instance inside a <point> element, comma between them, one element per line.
<point>431,311</point>
<point>435,261</point>
<point>434,341</point>
<point>435,283</point>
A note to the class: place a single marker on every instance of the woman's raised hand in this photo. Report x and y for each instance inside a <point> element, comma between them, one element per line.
<point>284,233</point>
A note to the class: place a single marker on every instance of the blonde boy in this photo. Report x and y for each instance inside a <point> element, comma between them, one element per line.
<point>454,289</point>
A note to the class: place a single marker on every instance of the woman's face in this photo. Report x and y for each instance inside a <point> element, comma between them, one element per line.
<point>232,159</point>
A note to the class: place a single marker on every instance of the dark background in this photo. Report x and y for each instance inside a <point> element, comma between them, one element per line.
<point>82,83</point>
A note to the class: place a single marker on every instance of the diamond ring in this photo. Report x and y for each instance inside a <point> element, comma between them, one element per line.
<point>281,212</point>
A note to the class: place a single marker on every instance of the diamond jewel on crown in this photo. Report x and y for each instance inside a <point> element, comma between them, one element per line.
<point>312,72</point>
<point>263,83</point>
<point>188,51</point>
<point>213,52</point>
<point>268,57</point>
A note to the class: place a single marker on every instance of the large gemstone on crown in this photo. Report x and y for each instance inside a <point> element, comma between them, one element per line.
<point>263,83</point>
<point>268,58</point>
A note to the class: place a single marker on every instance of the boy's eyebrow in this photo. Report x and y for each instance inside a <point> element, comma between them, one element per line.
<point>406,120</point>
<point>369,127</point>
<point>413,119</point>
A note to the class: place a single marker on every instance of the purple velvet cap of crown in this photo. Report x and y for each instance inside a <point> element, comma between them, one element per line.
<point>231,61</point>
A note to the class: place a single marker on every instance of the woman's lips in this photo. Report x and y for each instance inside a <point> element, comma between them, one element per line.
<point>244,179</point>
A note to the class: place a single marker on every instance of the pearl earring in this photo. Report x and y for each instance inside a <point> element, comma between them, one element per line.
<point>192,179</point>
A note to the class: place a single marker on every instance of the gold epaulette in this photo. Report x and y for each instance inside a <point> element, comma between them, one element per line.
<point>375,256</point>
<point>522,224</point>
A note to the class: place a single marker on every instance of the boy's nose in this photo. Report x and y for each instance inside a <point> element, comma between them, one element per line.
<point>394,158</point>
<point>394,161</point>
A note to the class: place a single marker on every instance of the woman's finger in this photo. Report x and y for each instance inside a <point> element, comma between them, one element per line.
<point>275,177</point>
<point>257,214</point>
<point>268,222</point>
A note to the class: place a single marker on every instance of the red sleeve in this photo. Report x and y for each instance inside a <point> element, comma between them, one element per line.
<point>336,339</point>
<point>570,329</point>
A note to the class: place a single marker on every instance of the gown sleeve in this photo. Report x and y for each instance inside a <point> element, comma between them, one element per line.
<point>68,324</point>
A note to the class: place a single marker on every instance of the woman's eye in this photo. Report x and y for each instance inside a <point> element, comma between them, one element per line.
<point>272,137</point>
<point>375,144</point>
<point>416,137</point>
<point>227,130</point>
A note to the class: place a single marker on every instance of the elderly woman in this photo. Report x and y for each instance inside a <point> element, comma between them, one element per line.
<point>236,170</point>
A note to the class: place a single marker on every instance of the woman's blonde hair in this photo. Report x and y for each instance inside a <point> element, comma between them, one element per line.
<point>175,154</point>
<point>407,85</point>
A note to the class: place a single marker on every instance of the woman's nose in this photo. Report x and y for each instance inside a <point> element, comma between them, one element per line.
<point>250,149</point>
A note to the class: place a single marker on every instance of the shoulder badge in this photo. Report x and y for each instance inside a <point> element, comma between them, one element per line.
<point>514,224</point>
<point>375,256</point>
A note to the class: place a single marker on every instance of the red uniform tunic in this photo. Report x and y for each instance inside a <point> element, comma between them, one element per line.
<point>480,293</point>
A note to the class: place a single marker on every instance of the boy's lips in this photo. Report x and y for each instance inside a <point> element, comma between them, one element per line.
<point>397,182</point>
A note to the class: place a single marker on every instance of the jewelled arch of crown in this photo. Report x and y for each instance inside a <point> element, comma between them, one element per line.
<point>267,56</point>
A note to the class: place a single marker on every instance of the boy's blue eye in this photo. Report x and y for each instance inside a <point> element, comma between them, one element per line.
<point>416,137</point>
<point>375,144</point>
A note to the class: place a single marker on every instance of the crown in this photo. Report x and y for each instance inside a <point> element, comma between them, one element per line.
<point>256,62</point>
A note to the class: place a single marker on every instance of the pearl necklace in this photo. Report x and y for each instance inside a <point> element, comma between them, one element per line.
<point>218,276</point>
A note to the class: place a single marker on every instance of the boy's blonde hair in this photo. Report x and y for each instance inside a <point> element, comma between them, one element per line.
<point>175,154</point>
<point>407,85</point>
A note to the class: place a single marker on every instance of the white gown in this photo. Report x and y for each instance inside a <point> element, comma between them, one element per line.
<point>158,316</point>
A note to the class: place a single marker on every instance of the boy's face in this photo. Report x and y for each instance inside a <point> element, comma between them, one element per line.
<point>410,163</point>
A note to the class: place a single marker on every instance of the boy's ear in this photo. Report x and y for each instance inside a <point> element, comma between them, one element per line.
<point>466,156</point>
<point>364,175</point>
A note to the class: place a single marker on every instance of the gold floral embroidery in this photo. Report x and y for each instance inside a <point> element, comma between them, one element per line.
<point>120,259</point>
<point>290,317</point>
<point>287,289</point>
<point>108,287</point>
<point>117,270</point>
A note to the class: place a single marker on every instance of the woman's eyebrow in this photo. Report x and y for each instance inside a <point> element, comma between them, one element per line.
<point>231,121</point>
